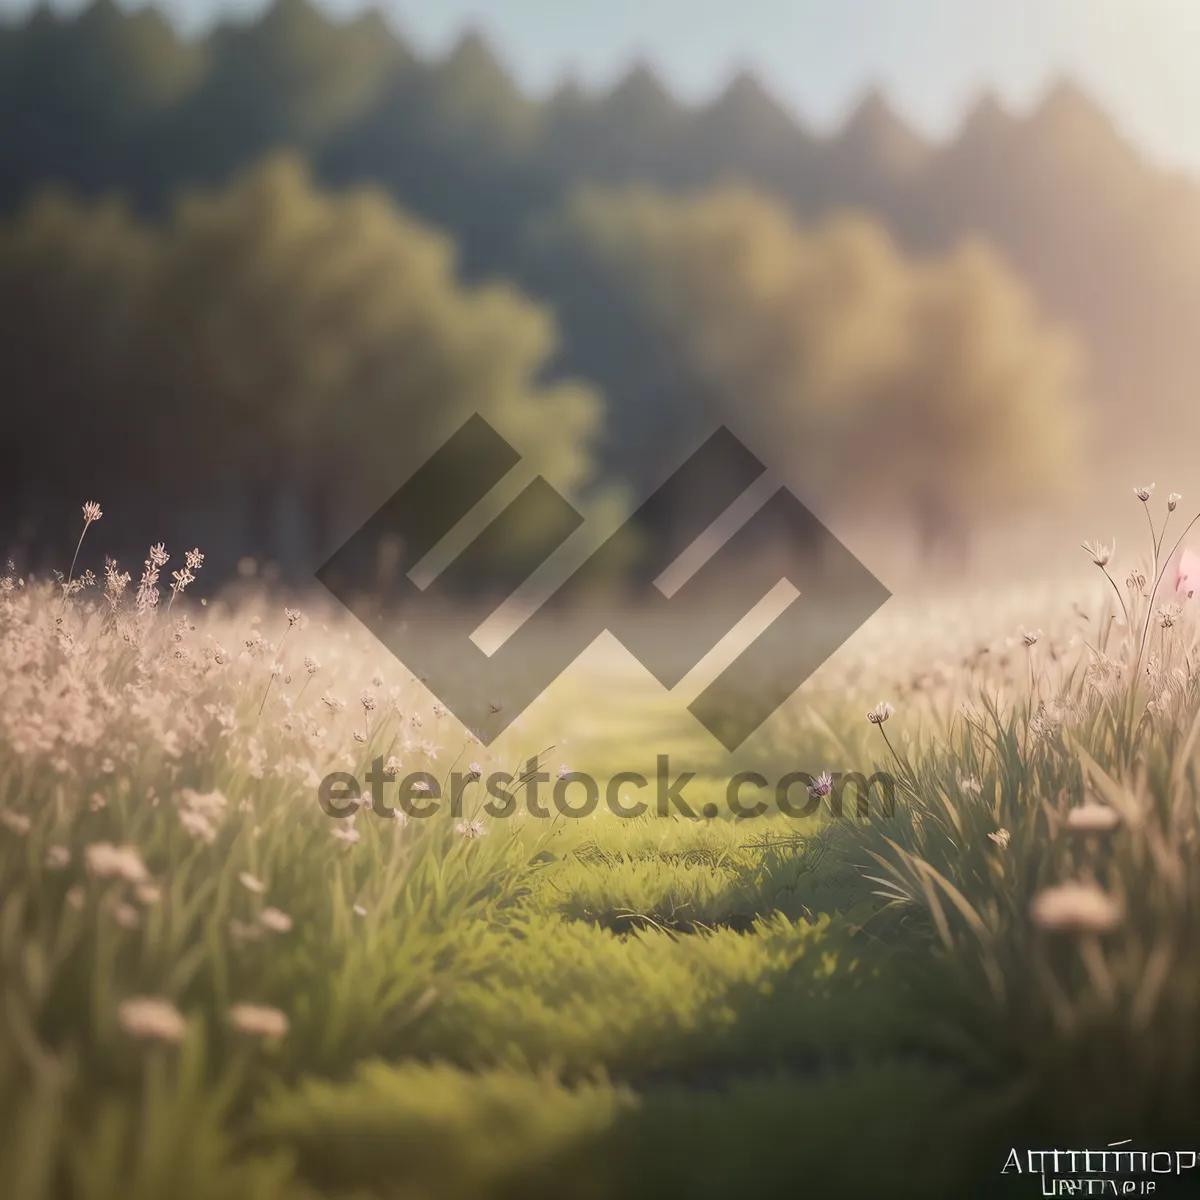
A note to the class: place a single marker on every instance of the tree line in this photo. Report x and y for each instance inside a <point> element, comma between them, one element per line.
<point>616,218</point>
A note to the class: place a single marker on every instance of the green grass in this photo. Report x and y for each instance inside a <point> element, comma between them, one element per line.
<point>595,1008</point>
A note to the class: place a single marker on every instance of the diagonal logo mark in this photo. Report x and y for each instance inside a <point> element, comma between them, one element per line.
<point>430,629</point>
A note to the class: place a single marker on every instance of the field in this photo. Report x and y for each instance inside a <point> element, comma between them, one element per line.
<point>212,988</point>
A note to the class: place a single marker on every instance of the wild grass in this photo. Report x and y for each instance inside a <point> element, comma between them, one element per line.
<point>210,988</point>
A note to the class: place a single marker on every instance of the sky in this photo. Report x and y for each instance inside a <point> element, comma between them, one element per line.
<point>932,58</point>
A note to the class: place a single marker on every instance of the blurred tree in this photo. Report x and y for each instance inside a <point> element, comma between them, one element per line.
<point>81,97</point>
<point>73,282</point>
<point>108,99</point>
<point>323,336</point>
<point>271,345</point>
<point>871,378</point>
<point>460,143</point>
<point>292,79</point>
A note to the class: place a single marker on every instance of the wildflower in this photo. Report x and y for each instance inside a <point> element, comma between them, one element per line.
<point>258,1020</point>
<point>293,616</point>
<point>115,582</point>
<point>251,883</point>
<point>1001,837</point>
<point>1101,554</point>
<point>127,916</point>
<point>1075,908</point>
<point>331,701</point>
<point>182,579</point>
<point>1143,493</point>
<point>563,772</point>
<point>311,665</point>
<point>421,785</point>
<point>880,713</point>
<point>346,833</point>
<point>17,822</point>
<point>1030,639</point>
<point>106,861</point>
<point>1173,501</point>
<point>470,829</point>
<point>148,893</point>
<point>198,825</point>
<point>821,786</point>
<point>392,767</point>
<point>474,771</point>
<point>147,593</point>
<point>91,512</point>
<point>210,804</point>
<point>194,559</point>
<point>1187,573</point>
<point>359,736</point>
<point>968,783</point>
<point>1093,818</point>
<point>359,911</point>
<point>76,896</point>
<point>57,858</point>
<point>274,920</point>
<point>151,1018</point>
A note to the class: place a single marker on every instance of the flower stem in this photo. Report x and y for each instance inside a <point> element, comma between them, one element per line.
<point>74,560</point>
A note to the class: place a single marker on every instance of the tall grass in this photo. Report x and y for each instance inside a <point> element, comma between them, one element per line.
<point>210,988</point>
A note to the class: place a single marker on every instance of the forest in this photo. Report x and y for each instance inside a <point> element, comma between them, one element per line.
<point>224,260</point>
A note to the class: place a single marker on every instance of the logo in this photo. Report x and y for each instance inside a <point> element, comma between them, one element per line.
<point>429,629</point>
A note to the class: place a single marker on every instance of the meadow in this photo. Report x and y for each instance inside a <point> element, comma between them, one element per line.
<point>213,989</point>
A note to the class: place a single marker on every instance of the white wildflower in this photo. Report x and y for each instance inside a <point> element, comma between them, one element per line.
<point>106,861</point>
<point>58,858</point>
<point>251,883</point>
<point>151,1018</point>
<point>274,920</point>
<point>1101,554</point>
<point>258,1020</point>
<point>1093,818</point>
<point>1075,908</point>
<point>16,822</point>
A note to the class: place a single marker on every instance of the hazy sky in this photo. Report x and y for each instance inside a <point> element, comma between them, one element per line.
<point>1141,58</point>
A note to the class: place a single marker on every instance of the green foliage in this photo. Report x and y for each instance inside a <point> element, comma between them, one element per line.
<point>919,380</point>
<point>108,101</point>
<point>269,339</point>
<point>436,1022</point>
<point>1088,780</point>
<point>212,987</point>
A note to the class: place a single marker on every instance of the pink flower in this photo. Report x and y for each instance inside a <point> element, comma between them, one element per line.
<point>1187,573</point>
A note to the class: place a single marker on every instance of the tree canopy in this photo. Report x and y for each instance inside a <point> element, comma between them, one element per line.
<point>869,377</point>
<point>266,338</point>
